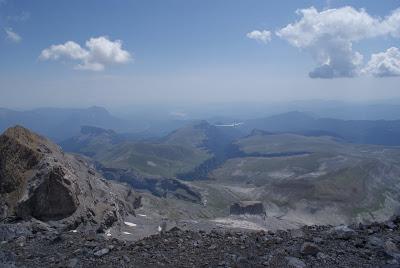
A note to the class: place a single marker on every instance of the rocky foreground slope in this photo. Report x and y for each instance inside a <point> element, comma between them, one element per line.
<point>375,245</point>
<point>38,181</point>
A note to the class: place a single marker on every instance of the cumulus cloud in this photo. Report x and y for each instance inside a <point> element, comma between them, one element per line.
<point>12,35</point>
<point>329,35</point>
<point>384,64</point>
<point>391,24</point>
<point>261,36</point>
<point>99,53</point>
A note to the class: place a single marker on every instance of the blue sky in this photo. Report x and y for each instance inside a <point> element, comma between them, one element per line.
<point>179,51</point>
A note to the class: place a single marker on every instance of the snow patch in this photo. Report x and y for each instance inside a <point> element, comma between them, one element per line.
<point>130,223</point>
<point>151,163</point>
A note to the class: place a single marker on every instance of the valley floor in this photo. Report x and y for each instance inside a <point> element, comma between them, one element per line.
<point>374,245</point>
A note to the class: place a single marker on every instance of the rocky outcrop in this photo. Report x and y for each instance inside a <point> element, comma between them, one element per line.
<point>160,187</point>
<point>54,199</point>
<point>247,207</point>
<point>37,180</point>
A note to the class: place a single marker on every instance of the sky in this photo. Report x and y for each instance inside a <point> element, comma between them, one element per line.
<point>126,53</point>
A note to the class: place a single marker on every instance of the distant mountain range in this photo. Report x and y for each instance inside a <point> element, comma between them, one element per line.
<point>381,132</point>
<point>59,123</point>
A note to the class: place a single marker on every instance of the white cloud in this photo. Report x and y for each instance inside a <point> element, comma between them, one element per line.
<point>12,36</point>
<point>70,50</point>
<point>329,36</point>
<point>261,36</point>
<point>384,64</point>
<point>391,24</point>
<point>99,53</point>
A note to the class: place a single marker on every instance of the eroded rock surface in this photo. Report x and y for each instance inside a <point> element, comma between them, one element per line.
<point>37,180</point>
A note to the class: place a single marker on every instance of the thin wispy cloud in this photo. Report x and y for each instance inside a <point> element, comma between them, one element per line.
<point>99,53</point>
<point>12,35</point>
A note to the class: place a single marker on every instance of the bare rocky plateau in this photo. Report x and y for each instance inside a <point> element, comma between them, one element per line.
<point>374,245</point>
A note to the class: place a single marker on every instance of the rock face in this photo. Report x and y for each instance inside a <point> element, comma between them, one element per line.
<point>37,180</point>
<point>247,207</point>
<point>54,199</point>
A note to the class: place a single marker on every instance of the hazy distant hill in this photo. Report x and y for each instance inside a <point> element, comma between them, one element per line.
<point>153,165</point>
<point>178,153</point>
<point>383,132</point>
<point>58,123</point>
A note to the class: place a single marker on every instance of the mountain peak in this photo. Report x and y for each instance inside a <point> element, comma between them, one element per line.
<point>25,137</point>
<point>98,109</point>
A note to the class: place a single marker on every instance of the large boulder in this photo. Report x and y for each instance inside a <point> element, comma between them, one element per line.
<point>56,198</point>
<point>247,207</point>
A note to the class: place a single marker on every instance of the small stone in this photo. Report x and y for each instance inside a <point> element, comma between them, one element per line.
<point>174,229</point>
<point>73,263</point>
<point>374,242</point>
<point>213,246</point>
<point>393,263</point>
<point>242,261</point>
<point>318,240</point>
<point>321,256</point>
<point>309,249</point>
<point>91,235</point>
<point>390,225</point>
<point>102,252</point>
<point>343,232</point>
<point>296,233</point>
<point>126,258</point>
<point>391,249</point>
<point>295,262</point>
<point>222,263</point>
<point>21,241</point>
